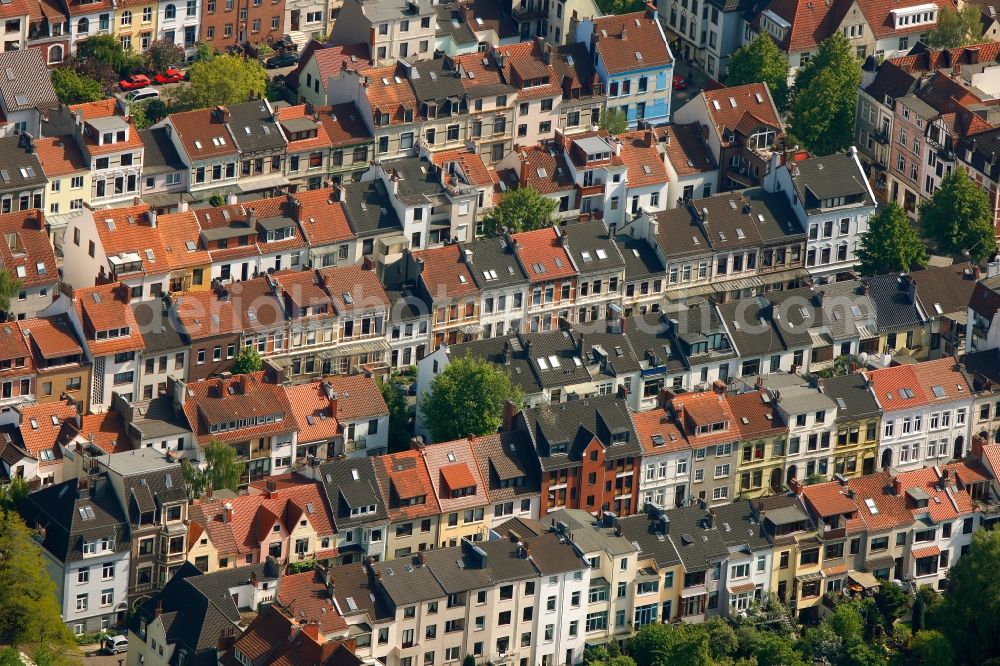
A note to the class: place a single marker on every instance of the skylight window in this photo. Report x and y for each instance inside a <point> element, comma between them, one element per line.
<point>601,254</point>
<point>542,363</point>
<point>348,298</point>
<point>461,278</point>
<point>22,271</point>
<point>870,503</point>
<point>558,261</point>
<point>585,255</point>
<point>554,361</point>
<point>938,391</point>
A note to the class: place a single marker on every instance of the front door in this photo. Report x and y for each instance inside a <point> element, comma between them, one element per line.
<point>296,13</point>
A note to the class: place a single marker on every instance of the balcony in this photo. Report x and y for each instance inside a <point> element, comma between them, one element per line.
<point>358,444</point>
<point>522,14</point>
<point>882,136</point>
<point>741,175</point>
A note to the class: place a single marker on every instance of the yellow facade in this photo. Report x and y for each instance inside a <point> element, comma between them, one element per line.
<point>204,551</point>
<point>914,342</point>
<point>67,192</point>
<point>759,463</point>
<point>472,524</point>
<point>796,574</point>
<point>856,446</point>
<point>135,25</point>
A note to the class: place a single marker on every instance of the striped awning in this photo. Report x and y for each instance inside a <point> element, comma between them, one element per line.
<point>742,588</point>
<point>921,553</point>
<point>809,577</point>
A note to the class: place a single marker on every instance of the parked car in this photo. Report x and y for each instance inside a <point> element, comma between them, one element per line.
<point>282,60</point>
<point>134,82</point>
<point>115,644</point>
<point>172,75</point>
<point>141,94</point>
<point>679,83</point>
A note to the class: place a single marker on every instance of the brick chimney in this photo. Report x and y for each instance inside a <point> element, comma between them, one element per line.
<point>509,412</point>
<point>795,486</point>
<point>311,629</point>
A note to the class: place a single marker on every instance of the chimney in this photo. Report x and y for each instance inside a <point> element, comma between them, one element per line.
<point>222,114</point>
<point>719,387</point>
<point>251,217</point>
<point>230,199</point>
<point>227,512</point>
<point>977,272</point>
<point>795,486</point>
<point>182,205</point>
<point>509,412</point>
<point>977,446</point>
<point>897,486</point>
<point>311,629</point>
<point>711,518</point>
<point>151,216</point>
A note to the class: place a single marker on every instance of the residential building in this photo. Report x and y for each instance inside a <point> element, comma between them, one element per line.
<point>645,275</point>
<point>709,37</point>
<point>527,67</point>
<point>181,24</point>
<point>764,436</point>
<point>205,145</point>
<point>26,89</point>
<point>666,460</point>
<point>61,368</point>
<point>491,104</point>
<point>460,489</point>
<point>68,175</point>
<point>502,283</point>
<point>858,419</point>
<point>25,184</point>
<point>550,270</point>
<point>261,143</point>
<point>360,511</point>
<point>164,174</point>
<point>601,270</point>
<point>88,18</point>
<point>165,355</point>
<point>811,416</point>
<point>319,62</point>
<point>452,294</point>
<point>414,511</point>
<point>713,434</point>
<point>112,148</point>
<point>583,99</point>
<point>506,463</point>
<point>35,431</point>
<point>392,29</point>
<point>348,418</point>
<point>900,317</point>
<point>28,256</point>
<point>324,143</point>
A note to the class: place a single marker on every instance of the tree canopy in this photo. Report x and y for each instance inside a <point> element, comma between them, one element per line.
<point>969,615</point>
<point>522,209</point>
<point>959,217</point>
<point>608,7</point>
<point>9,286</point>
<point>29,609</point>
<point>73,87</point>
<point>107,50</point>
<point>614,121</point>
<point>224,79</point>
<point>823,102</point>
<point>957,27</point>
<point>221,470</point>
<point>161,54</point>
<point>247,361</point>
<point>890,244</point>
<point>399,432</point>
<point>468,399</point>
<point>760,61</point>
<point>656,644</point>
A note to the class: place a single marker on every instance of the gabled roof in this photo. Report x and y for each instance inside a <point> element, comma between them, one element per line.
<point>630,42</point>
<point>494,263</point>
<point>643,159</point>
<point>24,80</point>
<point>703,536</point>
<point>330,60</point>
<point>254,127</point>
<point>452,466</point>
<point>755,417</point>
<point>25,250</point>
<point>403,476</point>
<point>354,288</point>
<point>61,156</point>
<point>658,433</point>
<point>343,124</point>
<point>945,290</point>
<point>739,107</point>
<point>895,306</point>
<point>524,63</point>
<point>20,169</point>
<point>591,246</point>
<point>159,154</point>
<point>41,425</point>
<point>322,217</point>
<point>817,179</point>
<point>203,134</point>
<point>366,210</point>
<point>106,114</point>
<point>353,484</point>
<point>543,255</point>
<point>914,385</point>
<point>481,77</point>
<point>685,149</point>
<point>105,308</point>
<point>851,390</point>
<point>543,168</point>
<point>180,237</point>
<point>389,92</point>
<point>51,337</point>
<point>106,431</point>
<point>575,424</point>
<point>131,233</point>
<point>445,274</point>
<point>243,397</point>
<point>504,457</point>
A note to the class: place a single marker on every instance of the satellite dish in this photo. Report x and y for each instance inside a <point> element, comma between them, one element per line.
<point>863,357</point>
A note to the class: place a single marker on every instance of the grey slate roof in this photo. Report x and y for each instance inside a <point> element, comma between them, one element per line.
<point>151,490</point>
<point>390,10</point>
<point>573,424</point>
<point>158,418</point>
<point>845,309</point>
<point>159,154</point>
<point>590,534</point>
<point>779,223</point>
<point>646,531</point>
<point>254,128</point>
<point>945,290</point>
<point>894,309</point>
<point>821,178</point>
<point>755,331</point>
<point>584,240</point>
<point>436,81</point>
<point>699,545</point>
<point>368,210</point>
<point>640,259</point>
<point>19,169</point>
<point>851,391</point>
<point>515,363</point>
<point>503,457</point>
<point>652,341</point>
<point>25,80</point>
<point>354,585</point>
<point>408,583</point>
<point>58,508</point>
<point>159,333</point>
<point>679,235</point>
<point>344,492</point>
<point>495,256</point>
<point>419,179</point>
<point>450,23</point>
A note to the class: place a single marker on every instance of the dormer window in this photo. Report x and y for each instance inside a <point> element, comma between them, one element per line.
<point>917,15</point>
<point>282,233</point>
<point>113,333</point>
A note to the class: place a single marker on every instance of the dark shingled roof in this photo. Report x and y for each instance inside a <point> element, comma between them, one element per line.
<point>344,492</point>
<point>367,212</point>
<point>640,259</point>
<point>821,178</point>
<point>254,127</point>
<point>574,423</point>
<point>494,264</point>
<point>436,81</point>
<point>583,240</point>
<point>646,530</point>
<point>894,309</point>
<point>19,169</point>
<point>159,154</point>
<point>698,545</point>
<point>851,394</point>
<point>159,332</point>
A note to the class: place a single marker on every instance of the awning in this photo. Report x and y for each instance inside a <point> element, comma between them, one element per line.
<point>880,562</point>
<point>921,553</point>
<point>820,339</point>
<point>690,292</point>
<point>166,199</point>
<point>864,579</point>
<point>866,333</point>
<point>742,588</point>
<point>836,570</point>
<point>809,577</point>
<point>472,329</point>
<point>361,347</point>
<point>751,282</point>
<point>257,184</point>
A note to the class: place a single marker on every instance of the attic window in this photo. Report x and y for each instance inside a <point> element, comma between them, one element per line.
<point>658,440</point>
<point>218,141</point>
<point>539,267</point>
<point>190,246</point>
<point>541,172</point>
<point>732,102</point>
<point>461,278</point>
<point>348,298</point>
<point>553,361</point>
<point>638,56</point>
<point>906,393</point>
<point>585,255</point>
<point>938,391</point>
<point>740,234</point>
<point>559,263</point>
<point>870,503</point>
<point>757,97</point>
<point>601,254</point>
<point>715,103</point>
<point>55,419</point>
<point>197,144</point>
<point>646,170</point>
<point>542,363</point>
<point>22,271</point>
<point>490,275</point>
<point>34,423</point>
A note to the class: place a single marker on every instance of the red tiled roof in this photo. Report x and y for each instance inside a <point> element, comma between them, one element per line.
<point>920,553</point>
<point>404,476</point>
<point>104,308</point>
<point>176,231</point>
<point>525,61</point>
<point>471,163</point>
<point>26,252</point>
<point>623,36</point>
<point>644,162</point>
<point>761,418</point>
<point>541,248</point>
<point>928,382</point>
<point>306,596</point>
<point>452,465</point>
<point>880,18</point>
<point>60,156</point>
<point>129,230</point>
<point>385,95</point>
<point>828,499</point>
<point>686,151</point>
<point>52,336</point>
<point>107,431</point>
<point>312,413</point>
<point>46,435</point>
<point>705,408</point>
<point>945,502</point>
<point>358,397</point>
<point>14,349</point>
<point>360,284</point>
<point>322,218</point>
<point>991,452</point>
<point>544,168</point>
<point>658,423</point>
<point>735,103</point>
<point>343,124</point>
<point>247,396</point>
<point>203,128</point>
<point>891,508</point>
<point>331,60</point>
<point>320,141</point>
<point>484,75</point>
<point>810,23</point>
<point>103,109</point>
<point>445,275</point>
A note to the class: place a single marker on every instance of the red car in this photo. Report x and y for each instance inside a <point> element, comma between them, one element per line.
<point>172,75</point>
<point>134,82</point>
<point>679,83</point>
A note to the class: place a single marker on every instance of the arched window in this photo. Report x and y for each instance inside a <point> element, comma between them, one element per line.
<point>83,26</point>
<point>55,54</point>
<point>126,17</point>
<point>170,12</point>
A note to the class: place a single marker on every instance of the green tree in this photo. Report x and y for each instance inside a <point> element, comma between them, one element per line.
<point>148,112</point>
<point>660,644</point>
<point>825,96</point>
<point>247,361</point>
<point>723,642</point>
<point>222,470</point>
<point>399,431</point>
<point>74,88</point>
<point>931,648</point>
<point>468,399</point>
<point>216,200</point>
<point>919,615</point>
<point>205,51</point>
<point>12,494</point>
<point>760,61</point>
<point>107,50</point>
<point>959,217</point>
<point>892,603</point>
<point>225,79</point>
<point>931,600</point>
<point>957,27</point>
<point>9,286</point>
<point>609,7</point>
<point>161,54</point>
<point>863,654</point>
<point>848,622</point>
<point>469,660</point>
<point>522,209</point>
<point>10,657</point>
<point>614,121</point>
<point>29,609</point>
<point>841,367</point>
<point>969,615</point>
<point>891,244</point>
<point>821,644</point>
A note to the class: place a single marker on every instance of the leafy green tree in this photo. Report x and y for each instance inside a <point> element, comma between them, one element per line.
<point>821,644</point>
<point>760,61</point>
<point>957,27</point>
<point>848,622</point>
<point>222,470</point>
<point>609,7</point>
<point>161,54</point>
<point>12,494</point>
<point>892,603</point>
<point>74,88</point>
<point>891,244</point>
<point>863,654</point>
<point>931,648</point>
<point>216,200</point>
<point>825,96</point>
<point>10,657</point>
<point>614,121</point>
<point>225,79</point>
<point>919,614</point>
<point>469,660</point>
<point>931,600</point>
<point>247,361</point>
<point>148,112</point>
<point>522,209</point>
<point>205,51</point>
<point>660,644</point>
<point>468,399</point>
<point>841,367</point>
<point>723,641</point>
<point>399,431</point>
<point>970,613</point>
<point>959,217</point>
<point>29,609</point>
<point>9,286</point>
<point>107,50</point>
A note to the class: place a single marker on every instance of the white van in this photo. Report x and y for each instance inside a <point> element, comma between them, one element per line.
<point>141,94</point>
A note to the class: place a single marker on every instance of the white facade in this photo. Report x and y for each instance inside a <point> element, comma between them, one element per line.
<point>925,435</point>
<point>178,21</point>
<point>94,589</point>
<point>664,477</point>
